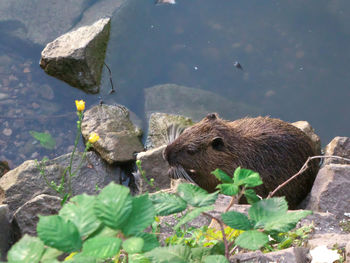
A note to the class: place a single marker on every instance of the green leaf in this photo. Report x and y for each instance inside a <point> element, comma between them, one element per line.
<point>142,215</point>
<point>216,259</point>
<point>50,254</point>
<point>167,204</point>
<point>150,240</point>
<point>236,220</point>
<point>55,232</point>
<point>171,254</point>
<point>101,247</point>
<point>80,211</point>
<point>218,248</point>
<point>252,240</point>
<point>79,258</point>
<point>133,245</point>
<point>222,176</point>
<point>27,250</point>
<point>113,205</point>
<point>198,253</point>
<point>45,139</point>
<point>286,222</point>
<point>228,189</point>
<point>251,196</point>
<point>193,214</point>
<point>246,177</point>
<point>266,209</point>
<point>196,196</point>
<point>138,258</point>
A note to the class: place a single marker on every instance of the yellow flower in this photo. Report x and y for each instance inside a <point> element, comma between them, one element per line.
<point>80,105</point>
<point>93,137</point>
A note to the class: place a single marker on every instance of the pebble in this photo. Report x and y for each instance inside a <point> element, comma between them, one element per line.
<point>34,155</point>
<point>7,132</point>
<point>35,105</point>
<point>3,96</point>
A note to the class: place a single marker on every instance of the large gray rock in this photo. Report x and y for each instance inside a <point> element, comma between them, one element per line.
<point>339,146</point>
<point>77,57</point>
<point>119,137</point>
<point>194,103</point>
<point>5,231</point>
<point>158,128</point>
<point>24,182</point>
<point>330,192</point>
<point>27,215</point>
<point>310,132</point>
<point>155,167</point>
<point>289,255</point>
<point>41,21</point>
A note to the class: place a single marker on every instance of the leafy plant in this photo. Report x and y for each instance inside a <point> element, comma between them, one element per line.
<point>111,226</point>
<point>47,141</point>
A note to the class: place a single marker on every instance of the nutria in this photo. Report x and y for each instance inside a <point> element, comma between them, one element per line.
<point>273,148</point>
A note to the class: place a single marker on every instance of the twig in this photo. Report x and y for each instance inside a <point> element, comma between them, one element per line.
<point>222,228</point>
<point>235,200</point>
<point>304,168</point>
<point>110,78</point>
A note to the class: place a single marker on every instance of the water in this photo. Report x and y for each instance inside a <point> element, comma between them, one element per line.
<point>295,58</point>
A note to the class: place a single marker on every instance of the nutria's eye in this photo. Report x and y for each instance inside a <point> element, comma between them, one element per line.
<point>191,151</point>
<point>218,143</point>
<point>211,116</point>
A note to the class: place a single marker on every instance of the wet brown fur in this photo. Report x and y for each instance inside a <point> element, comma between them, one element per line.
<point>274,148</point>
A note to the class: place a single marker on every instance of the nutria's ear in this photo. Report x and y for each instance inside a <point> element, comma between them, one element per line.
<point>218,144</point>
<point>212,116</point>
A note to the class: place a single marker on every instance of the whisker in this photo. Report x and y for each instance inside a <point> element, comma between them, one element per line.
<point>174,130</point>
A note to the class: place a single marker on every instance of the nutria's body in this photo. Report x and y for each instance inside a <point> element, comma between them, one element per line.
<point>274,148</point>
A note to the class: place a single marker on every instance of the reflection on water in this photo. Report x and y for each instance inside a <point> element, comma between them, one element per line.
<point>295,58</point>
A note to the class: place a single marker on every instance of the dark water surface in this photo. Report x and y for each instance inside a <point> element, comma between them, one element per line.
<point>295,57</point>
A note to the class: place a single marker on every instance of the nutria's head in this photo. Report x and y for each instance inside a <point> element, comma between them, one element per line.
<point>198,151</point>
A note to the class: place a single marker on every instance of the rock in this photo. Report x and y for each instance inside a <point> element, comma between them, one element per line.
<point>347,253</point>
<point>330,192</point>
<point>5,231</point>
<point>24,182</point>
<point>155,167</point>
<point>194,103</point>
<point>324,223</point>
<point>119,138</point>
<point>42,20</point>
<point>289,255</point>
<point>77,57</point>
<point>330,240</point>
<point>339,146</point>
<point>310,132</point>
<point>158,125</point>
<point>4,168</point>
<point>27,215</point>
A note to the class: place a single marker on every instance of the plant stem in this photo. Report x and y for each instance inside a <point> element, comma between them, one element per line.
<point>304,168</point>
<point>80,115</point>
<point>222,228</point>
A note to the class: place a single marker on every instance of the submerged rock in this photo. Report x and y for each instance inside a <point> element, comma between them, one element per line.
<point>194,103</point>
<point>119,137</point>
<point>40,21</point>
<point>77,57</point>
